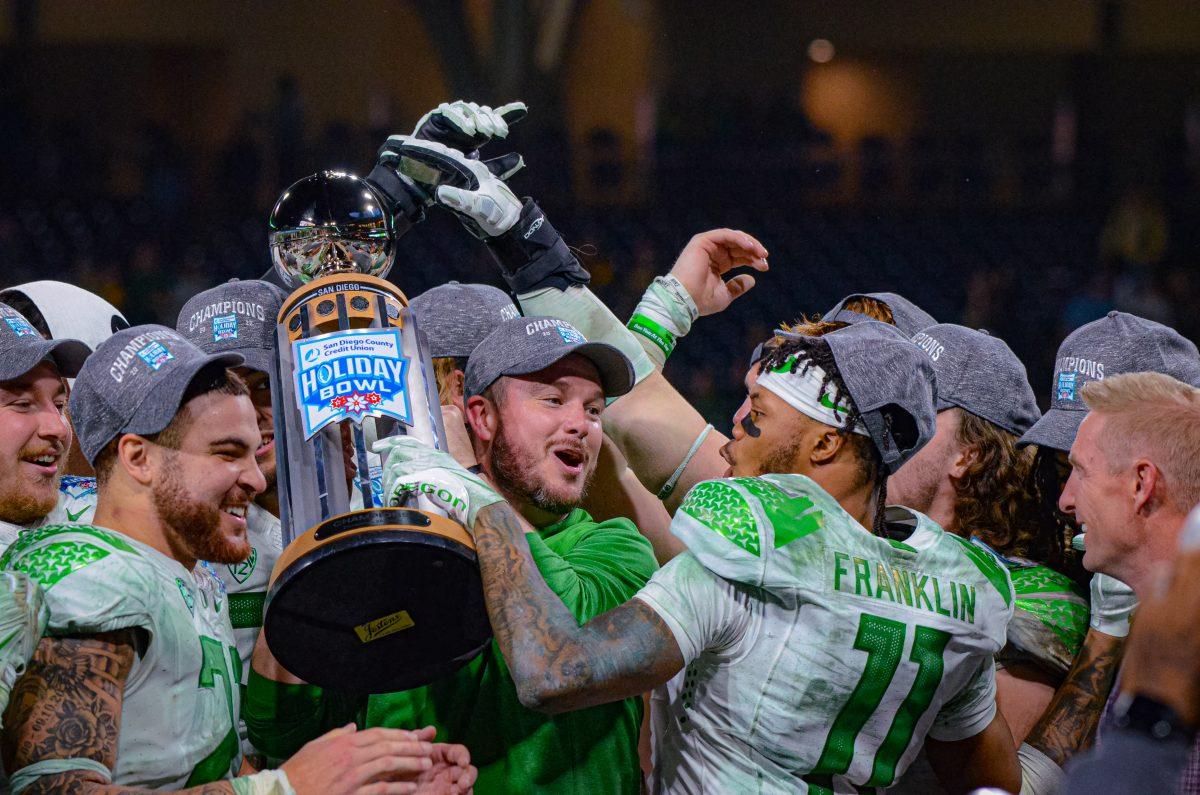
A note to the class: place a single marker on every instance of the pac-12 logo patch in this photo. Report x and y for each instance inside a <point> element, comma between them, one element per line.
<point>349,375</point>
<point>1067,383</point>
<point>155,355</point>
<point>225,327</point>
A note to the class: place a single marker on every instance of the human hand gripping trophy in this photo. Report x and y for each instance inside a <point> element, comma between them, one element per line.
<point>366,597</point>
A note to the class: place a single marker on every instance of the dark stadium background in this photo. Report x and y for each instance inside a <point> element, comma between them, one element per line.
<point>1021,166</point>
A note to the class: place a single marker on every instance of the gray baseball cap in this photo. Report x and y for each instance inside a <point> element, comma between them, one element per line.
<point>455,317</point>
<point>892,384</point>
<point>134,383</point>
<point>525,345</point>
<point>234,317</point>
<point>909,317</point>
<point>1116,343</point>
<point>980,374</point>
<point>22,348</point>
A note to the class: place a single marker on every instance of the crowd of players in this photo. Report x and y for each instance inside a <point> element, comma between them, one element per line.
<point>895,572</point>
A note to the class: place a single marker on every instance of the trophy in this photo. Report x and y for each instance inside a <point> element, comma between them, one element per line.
<point>365,598</point>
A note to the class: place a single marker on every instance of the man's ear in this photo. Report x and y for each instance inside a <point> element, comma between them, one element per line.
<point>1145,479</point>
<point>826,446</point>
<point>135,456</point>
<point>482,417</point>
<point>963,461</point>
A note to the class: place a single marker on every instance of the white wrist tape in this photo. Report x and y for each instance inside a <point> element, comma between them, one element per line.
<point>266,782</point>
<point>669,486</point>
<point>803,391</point>
<point>664,315</point>
<point>1039,774</point>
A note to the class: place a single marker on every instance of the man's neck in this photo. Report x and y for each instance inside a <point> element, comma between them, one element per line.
<point>135,517</point>
<point>858,500</point>
<point>1162,544</point>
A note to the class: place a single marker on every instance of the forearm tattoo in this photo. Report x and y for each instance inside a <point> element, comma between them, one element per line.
<point>67,705</point>
<point>1069,722</point>
<point>556,664</point>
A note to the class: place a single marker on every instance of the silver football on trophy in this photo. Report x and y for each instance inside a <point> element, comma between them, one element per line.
<point>327,223</point>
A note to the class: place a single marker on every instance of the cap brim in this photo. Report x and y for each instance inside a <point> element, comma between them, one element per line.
<point>255,358</point>
<point>66,355</point>
<point>1056,430</point>
<point>616,371</point>
<point>154,414</point>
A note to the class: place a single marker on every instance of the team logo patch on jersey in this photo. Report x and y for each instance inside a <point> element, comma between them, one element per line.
<point>242,571</point>
<point>225,327</point>
<point>20,326</point>
<point>188,599</point>
<point>1067,383</point>
<point>349,375</point>
<point>155,355</point>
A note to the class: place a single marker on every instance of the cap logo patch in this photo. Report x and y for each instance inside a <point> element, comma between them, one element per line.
<point>571,336</point>
<point>1066,386</point>
<point>155,355</point>
<point>224,328</point>
<point>20,326</point>
<point>349,375</point>
<point>139,346</point>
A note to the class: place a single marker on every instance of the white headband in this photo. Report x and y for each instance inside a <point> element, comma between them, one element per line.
<point>802,391</point>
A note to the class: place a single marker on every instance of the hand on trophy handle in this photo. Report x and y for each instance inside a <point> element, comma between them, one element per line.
<point>413,467</point>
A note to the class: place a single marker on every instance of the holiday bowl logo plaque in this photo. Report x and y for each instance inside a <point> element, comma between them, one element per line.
<point>349,375</point>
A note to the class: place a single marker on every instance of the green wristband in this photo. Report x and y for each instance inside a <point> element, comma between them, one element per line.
<point>663,339</point>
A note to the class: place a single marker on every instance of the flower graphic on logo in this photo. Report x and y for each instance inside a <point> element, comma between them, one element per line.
<point>374,398</point>
<point>356,404</point>
<point>338,402</point>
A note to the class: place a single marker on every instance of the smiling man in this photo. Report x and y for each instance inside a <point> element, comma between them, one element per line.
<point>136,682</point>
<point>35,434</point>
<point>535,390</point>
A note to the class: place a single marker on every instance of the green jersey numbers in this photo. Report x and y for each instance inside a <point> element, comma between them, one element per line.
<point>181,698</point>
<point>818,656</point>
<point>883,641</point>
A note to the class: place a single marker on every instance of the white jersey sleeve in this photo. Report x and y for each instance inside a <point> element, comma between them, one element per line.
<point>969,712</point>
<point>703,611</point>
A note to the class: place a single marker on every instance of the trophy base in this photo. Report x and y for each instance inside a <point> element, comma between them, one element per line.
<point>376,601</point>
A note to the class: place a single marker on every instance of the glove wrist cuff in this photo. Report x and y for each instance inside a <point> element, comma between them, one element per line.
<point>663,316</point>
<point>403,198</point>
<point>533,254</point>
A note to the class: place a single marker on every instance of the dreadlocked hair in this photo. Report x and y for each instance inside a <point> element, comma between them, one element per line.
<point>812,351</point>
<point>994,500</point>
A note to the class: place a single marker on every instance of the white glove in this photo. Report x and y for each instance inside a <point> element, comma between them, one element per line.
<point>413,467</point>
<point>466,125</point>
<point>490,209</point>
<point>1113,603</point>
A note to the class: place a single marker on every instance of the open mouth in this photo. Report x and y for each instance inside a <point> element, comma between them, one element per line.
<point>235,512</point>
<point>572,460</point>
<point>45,463</point>
<point>268,444</point>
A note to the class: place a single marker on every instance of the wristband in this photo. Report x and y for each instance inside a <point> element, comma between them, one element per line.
<point>669,486</point>
<point>1039,774</point>
<point>266,782</point>
<point>665,314</point>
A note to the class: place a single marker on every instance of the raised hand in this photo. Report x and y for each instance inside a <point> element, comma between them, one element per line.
<point>466,126</point>
<point>708,256</point>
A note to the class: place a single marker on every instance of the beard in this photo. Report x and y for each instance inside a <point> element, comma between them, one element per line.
<point>781,460</point>
<point>193,524</point>
<point>24,507</point>
<point>514,474</point>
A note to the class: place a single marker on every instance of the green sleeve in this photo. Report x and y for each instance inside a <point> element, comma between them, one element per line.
<point>605,567</point>
<point>280,718</point>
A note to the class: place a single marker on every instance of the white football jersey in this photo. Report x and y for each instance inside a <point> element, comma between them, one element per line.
<point>818,656</point>
<point>76,503</point>
<point>181,699</point>
<point>246,584</point>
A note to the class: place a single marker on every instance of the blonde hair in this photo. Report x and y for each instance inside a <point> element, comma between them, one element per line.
<point>1155,416</point>
<point>443,370</point>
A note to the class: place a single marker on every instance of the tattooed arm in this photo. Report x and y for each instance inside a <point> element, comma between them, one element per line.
<point>557,665</point>
<point>1068,724</point>
<point>68,706</point>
